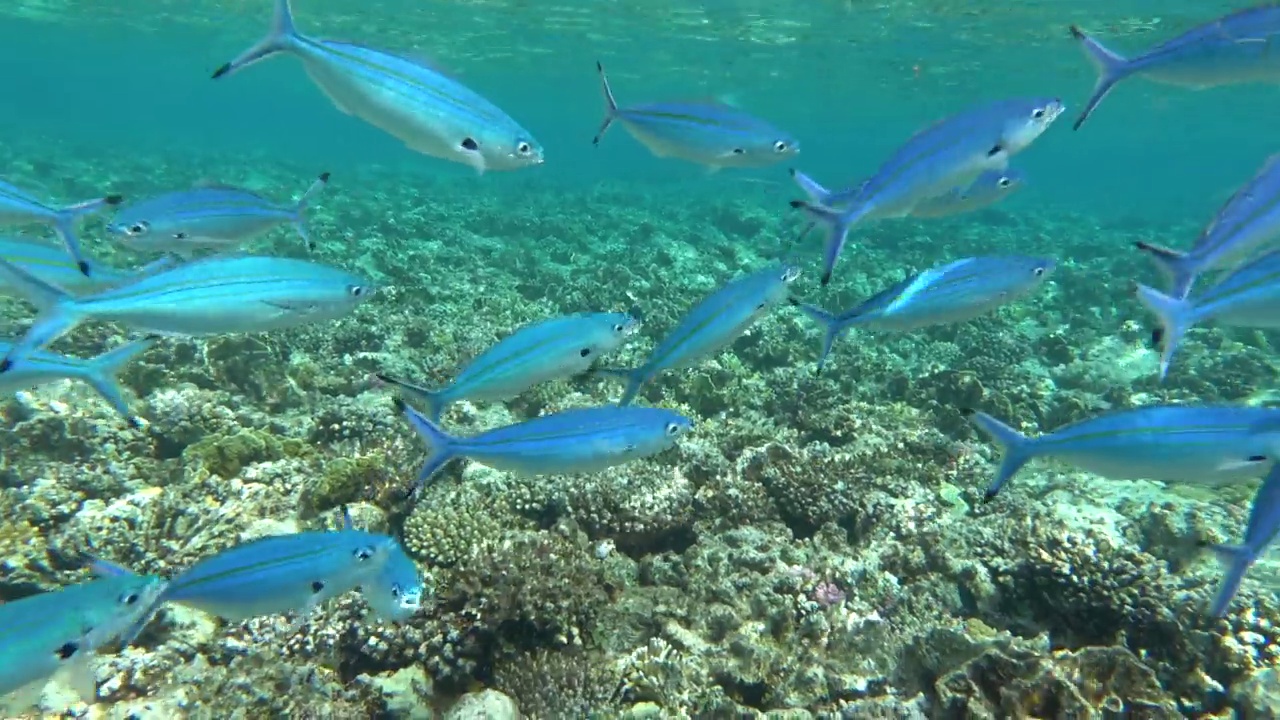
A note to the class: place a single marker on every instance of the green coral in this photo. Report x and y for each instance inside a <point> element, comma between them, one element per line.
<point>226,455</point>
<point>343,481</point>
<point>452,522</point>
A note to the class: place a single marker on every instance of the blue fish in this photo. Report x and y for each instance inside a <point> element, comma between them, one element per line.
<point>1248,297</point>
<point>396,593</point>
<point>53,635</point>
<point>1247,223</point>
<point>948,155</point>
<point>536,353</point>
<point>289,573</point>
<point>708,133</point>
<point>990,188</point>
<point>52,265</point>
<point>210,296</point>
<point>583,440</point>
<point>406,98</point>
<point>1264,523</point>
<point>711,325</point>
<point>1167,443</point>
<point>18,207</point>
<point>1233,49</point>
<point>210,216</point>
<point>39,368</point>
<point>955,292</point>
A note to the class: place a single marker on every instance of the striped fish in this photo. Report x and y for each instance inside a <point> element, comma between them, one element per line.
<point>397,592</point>
<point>1212,445</point>
<point>18,207</point>
<point>707,133</point>
<point>955,292</point>
<point>211,216</point>
<point>1259,534</point>
<point>52,636</point>
<point>536,353</point>
<point>1248,297</point>
<point>990,188</point>
<point>711,325</point>
<point>1247,223</point>
<point>52,265</point>
<point>39,368</point>
<point>950,154</point>
<point>582,440</point>
<point>427,110</point>
<point>211,296</point>
<point>1233,49</point>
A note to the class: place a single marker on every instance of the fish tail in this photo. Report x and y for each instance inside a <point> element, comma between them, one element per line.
<point>282,37</point>
<point>65,226</point>
<point>817,194</point>
<point>832,325</point>
<point>435,401</point>
<point>1112,68</point>
<point>1175,316</point>
<point>1018,449</point>
<point>301,211</point>
<point>441,446</point>
<point>1237,559</point>
<point>1174,266</point>
<point>635,380</point>
<point>101,373</point>
<point>838,224</point>
<point>611,105</point>
<point>57,312</point>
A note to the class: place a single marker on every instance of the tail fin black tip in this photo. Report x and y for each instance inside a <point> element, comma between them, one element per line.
<point>968,411</point>
<point>134,422</point>
<point>84,268</point>
<point>989,495</point>
<point>399,404</point>
<point>797,204</point>
<point>794,301</point>
<point>324,177</point>
<point>599,67</point>
<point>226,68</point>
<point>113,199</point>
<point>6,365</point>
<point>1076,32</point>
<point>826,279</point>
<point>792,172</point>
<point>1079,121</point>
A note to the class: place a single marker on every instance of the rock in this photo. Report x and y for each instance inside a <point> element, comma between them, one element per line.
<point>484,705</point>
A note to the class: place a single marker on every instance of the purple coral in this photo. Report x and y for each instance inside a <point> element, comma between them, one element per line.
<point>827,593</point>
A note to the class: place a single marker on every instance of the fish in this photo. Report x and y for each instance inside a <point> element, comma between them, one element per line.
<point>1248,297</point>
<point>52,265</point>
<point>396,593</point>
<point>39,368</point>
<point>18,207</point>
<point>1209,445</point>
<point>210,216</point>
<point>1232,49</point>
<point>536,353</point>
<point>278,574</point>
<point>990,188</point>
<point>955,292</point>
<point>1263,525</point>
<point>710,326</point>
<point>713,134</point>
<point>210,296</point>
<point>581,440</point>
<point>949,154</point>
<point>52,636</point>
<point>427,110</point>
<point>1247,223</point>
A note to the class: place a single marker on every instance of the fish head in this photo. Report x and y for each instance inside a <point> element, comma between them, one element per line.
<point>396,592</point>
<point>1008,181</point>
<point>674,426</point>
<point>127,602</point>
<point>1036,270</point>
<point>784,147</point>
<point>1025,120</point>
<point>504,150</point>
<point>778,281</point>
<point>327,293</point>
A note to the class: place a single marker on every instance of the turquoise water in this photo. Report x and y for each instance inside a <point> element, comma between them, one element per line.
<point>817,545</point>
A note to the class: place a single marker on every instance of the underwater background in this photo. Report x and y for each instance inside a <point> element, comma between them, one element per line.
<point>818,546</point>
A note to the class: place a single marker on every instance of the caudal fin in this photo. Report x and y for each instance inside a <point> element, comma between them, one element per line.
<point>1175,317</point>
<point>301,211</point>
<point>1236,559</point>
<point>832,327</point>
<point>817,194</point>
<point>433,400</point>
<point>1112,68</point>
<point>57,312</point>
<point>611,105</point>
<point>837,224</point>
<point>635,380</point>
<point>102,374</point>
<point>1174,265</point>
<point>1018,449</point>
<point>441,446</point>
<point>65,226</point>
<point>283,36</point>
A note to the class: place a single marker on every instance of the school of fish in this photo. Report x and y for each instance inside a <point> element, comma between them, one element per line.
<point>201,285</point>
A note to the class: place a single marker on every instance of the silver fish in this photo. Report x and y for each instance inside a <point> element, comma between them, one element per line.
<point>427,110</point>
<point>990,188</point>
<point>18,207</point>
<point>39,368</point>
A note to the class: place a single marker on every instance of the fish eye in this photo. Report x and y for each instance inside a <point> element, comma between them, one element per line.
<point>673,429</point>
<point>1037,113</point>
<point>363,553</point>
<point>129,598</point>
<point>139,227</point>
<point>355,290</point>
<point>395,591</point>
<point>1004,182</point>
<point>1038,271</point>
<point>524,148</point>
<point>780,146</point>
<point>618,328</point>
